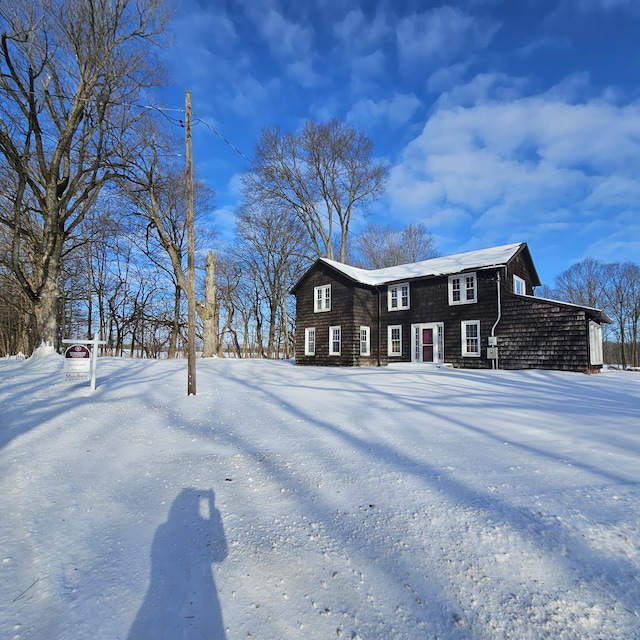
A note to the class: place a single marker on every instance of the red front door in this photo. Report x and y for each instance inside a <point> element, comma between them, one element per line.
<point>427,345</point>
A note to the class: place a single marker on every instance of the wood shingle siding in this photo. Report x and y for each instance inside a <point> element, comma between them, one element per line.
<point>537,334</point>
<point>530,332</point>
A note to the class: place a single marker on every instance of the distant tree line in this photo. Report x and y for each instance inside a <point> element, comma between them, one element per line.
<point>613,287</point>
<point>92,198</point>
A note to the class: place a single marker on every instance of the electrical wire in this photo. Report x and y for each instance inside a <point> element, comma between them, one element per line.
<point>179,122</point>
<point>227,142</point>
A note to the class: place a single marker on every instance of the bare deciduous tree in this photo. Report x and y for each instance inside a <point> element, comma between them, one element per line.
<point>321,176</point>
<point>622,297</point>
<point>269,250</point>
<point>70,70</point>
<point>583,283</point>
<point>383,246</point>
<point>157,190</point>
<point>613,287</point>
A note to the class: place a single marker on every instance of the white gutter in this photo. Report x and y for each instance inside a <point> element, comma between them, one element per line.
<point>494,363</point>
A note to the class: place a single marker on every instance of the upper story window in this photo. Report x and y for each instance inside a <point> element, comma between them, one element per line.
<point>519,286</point>
<point>398,296</point>
<point>463,289</point>
<point>322,297</point>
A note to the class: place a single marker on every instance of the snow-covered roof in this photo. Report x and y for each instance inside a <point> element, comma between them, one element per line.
<point>481,259</point>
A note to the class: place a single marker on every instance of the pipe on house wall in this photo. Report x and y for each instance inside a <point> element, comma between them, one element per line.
<point>379,326</point>
<point>494,363</point>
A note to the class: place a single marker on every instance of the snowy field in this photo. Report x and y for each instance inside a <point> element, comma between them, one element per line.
<point>284,502</point>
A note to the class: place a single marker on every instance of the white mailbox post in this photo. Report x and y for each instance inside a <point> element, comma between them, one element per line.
<point>80,362</point>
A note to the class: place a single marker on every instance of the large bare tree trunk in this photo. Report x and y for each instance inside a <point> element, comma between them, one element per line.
<point>207,311</point>
<point>47,311</point>
<point>175,325</point>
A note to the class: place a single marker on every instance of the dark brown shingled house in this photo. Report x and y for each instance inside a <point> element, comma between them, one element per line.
<point>473,310</point>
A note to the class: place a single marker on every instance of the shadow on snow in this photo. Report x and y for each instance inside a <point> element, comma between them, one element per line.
<point>182,600</point>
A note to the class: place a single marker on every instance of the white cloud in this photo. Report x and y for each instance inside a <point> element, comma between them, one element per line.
<point>198,24</point>
<point>485,87</point>
<point>395,111</point>
<point>360,43</point>
<point>250,95</point>
<point>359,34</point>
<point>195,52</point>
<point>614,191</point>
<point>441,34</point>
<point>619,248</point>
<point>224,220</point>
<point>350,25</point>
<point>285,38</point>
<point>521,163</point>
<point>402,107</point>
<point>303,73</point>
<point>445,78</point>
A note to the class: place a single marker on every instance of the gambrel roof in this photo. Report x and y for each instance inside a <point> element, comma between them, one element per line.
<point>448,265</point>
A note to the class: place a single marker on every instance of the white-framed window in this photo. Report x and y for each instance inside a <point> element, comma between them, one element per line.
<point>365,341</point>
<point>519,286</point>
<point>463,289</point>
<point>335,341</point>
<point>470,330</point>
<point>322,297</point>
<point>398,296</point>
<point>595,343</point>
<point>310,341</point>
<point>394,347</point>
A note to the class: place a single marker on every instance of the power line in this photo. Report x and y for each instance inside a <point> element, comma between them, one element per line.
<point>163,111</point>
<point>227,142</point>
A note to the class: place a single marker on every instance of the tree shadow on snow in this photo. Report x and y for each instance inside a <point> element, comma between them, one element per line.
<point>182,600</point>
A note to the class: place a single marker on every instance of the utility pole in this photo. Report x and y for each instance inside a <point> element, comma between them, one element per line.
<point>191,270</point>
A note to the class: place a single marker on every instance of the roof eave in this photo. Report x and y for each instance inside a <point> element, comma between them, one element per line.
<point>535,278</point>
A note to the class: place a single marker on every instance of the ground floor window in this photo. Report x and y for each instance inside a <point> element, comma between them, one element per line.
<point>471,338</point>
<point>365,341</point>
<point>335,341</point>
<point>310,342</point>
<point>395,340</point>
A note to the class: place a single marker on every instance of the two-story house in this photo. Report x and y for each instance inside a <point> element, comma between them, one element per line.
<point>473,310</point>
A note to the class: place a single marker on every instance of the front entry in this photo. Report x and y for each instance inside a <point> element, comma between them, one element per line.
<point>428,342</point>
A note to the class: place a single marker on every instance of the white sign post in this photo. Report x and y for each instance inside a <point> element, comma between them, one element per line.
<point>80,362</point>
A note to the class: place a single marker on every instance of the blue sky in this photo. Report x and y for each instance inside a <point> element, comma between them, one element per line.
<point>501,120</point>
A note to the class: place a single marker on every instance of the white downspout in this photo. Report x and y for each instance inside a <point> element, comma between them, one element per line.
<point>494,363</point>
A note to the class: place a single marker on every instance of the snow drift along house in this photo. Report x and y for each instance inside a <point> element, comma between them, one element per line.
<point>474,310</point>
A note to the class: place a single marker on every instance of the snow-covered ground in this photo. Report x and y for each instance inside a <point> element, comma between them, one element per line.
<point>404,502</point>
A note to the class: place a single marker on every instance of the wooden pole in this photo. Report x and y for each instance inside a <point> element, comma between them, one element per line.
<point>191,271</point>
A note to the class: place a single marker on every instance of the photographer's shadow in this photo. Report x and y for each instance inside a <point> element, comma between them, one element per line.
<point>182,601</point>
